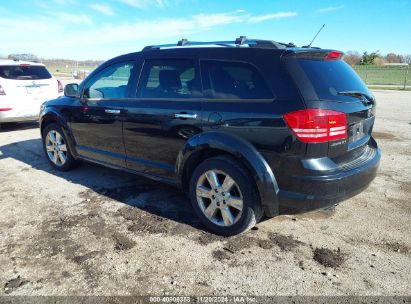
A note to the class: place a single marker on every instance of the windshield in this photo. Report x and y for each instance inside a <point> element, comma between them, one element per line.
<point>324,79</point>
<point>18,72</point>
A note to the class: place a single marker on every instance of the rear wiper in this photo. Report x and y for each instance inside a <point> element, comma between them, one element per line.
<point>359,95</point>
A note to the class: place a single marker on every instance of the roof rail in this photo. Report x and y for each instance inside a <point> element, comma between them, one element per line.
<point>241,41</point>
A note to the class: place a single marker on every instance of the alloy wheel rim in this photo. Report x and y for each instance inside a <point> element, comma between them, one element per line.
<point>56,148</point>
<point>219,198</point>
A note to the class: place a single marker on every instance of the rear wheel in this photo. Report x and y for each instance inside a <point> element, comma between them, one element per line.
<point>56,148</point>
<point>224,196</point>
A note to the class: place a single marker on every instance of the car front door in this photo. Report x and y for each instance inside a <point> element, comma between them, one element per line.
<point>97,124</point>
<point>164,114</point>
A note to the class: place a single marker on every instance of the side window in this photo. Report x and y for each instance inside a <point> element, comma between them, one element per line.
<point>111,83</point>
<point>235,80</point>
<point>169,78</point>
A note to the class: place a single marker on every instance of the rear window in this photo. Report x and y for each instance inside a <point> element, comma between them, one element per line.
<point>235,80</point>
<point>319,79</point>
<point>19,72</point>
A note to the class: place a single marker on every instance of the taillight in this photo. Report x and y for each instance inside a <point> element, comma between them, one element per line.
<point>5,109</point>
<point>60,86</point>
<point>317,125</point>
<point>334,55</point>
<point>2,92</point>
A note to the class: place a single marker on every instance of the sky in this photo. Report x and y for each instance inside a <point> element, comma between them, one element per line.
<point>100,30</point>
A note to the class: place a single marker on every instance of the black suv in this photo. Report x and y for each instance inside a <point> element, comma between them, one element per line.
<point>247,127</point>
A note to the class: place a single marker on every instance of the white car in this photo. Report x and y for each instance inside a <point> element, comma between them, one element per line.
<point>24,86</point>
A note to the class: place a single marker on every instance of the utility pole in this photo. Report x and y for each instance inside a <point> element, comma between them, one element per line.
<point>406,75</point>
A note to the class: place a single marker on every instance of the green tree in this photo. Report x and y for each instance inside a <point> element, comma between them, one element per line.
<point>369,58</point>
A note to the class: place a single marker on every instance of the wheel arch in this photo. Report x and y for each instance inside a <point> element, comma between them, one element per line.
<point>51,117</point>
<point>210,144</point>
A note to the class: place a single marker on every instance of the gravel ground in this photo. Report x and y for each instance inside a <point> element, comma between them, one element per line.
<point>97,231</point>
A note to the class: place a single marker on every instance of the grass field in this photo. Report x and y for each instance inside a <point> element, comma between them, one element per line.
<point>383,75</point>
<point>68,70</point>
<point>62,68</point>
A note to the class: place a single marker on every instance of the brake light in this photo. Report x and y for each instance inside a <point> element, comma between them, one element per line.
<point>317,125</point>
<point>5,109</point>
<point>334,55</point>
<point>2,92</point>
<point>60,86</point>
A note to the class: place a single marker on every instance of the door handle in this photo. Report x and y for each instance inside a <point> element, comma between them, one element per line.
<point>185,115</point>
<point>112,111</point>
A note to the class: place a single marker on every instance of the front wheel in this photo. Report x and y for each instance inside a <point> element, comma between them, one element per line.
<point>224,196</point>
<point>56,148</point>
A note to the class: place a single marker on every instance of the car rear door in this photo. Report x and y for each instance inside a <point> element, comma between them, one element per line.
<point>163,114</point>
<point>97,123</point>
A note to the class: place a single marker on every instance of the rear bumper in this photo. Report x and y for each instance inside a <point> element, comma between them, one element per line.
<point>322,191</point>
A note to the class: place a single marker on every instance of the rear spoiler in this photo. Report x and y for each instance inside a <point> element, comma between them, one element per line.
<point>316,54</point>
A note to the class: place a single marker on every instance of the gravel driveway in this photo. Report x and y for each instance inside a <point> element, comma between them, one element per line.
<point>102,232</point>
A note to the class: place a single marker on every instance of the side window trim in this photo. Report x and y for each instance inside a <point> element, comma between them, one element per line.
<point>206,82</point>
<point>139,82</point>
<point>91,81</point>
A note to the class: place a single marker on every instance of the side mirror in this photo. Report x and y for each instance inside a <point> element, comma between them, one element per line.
<point>71,90</point>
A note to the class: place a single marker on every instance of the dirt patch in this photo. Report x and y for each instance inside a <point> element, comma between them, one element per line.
<point>149,226</point>
<point>55,239</point>
<point>240,242</point>
<point>66,274</point>
<point>122,242</point>
<point>265,244</point>
<point>208,238</point>
<point>286,243</point>
<point>406,186</point>
<point>243,242</point>
<point>329,258</point>
<point>221,255</point>
<point>397,247</point>
<point>147,222</point>
<point>90,196</point>
<point>13,284</point>
<point>9,225</point>
<point>130,214</point>
<point>80,259</point>
<point>385,136</point>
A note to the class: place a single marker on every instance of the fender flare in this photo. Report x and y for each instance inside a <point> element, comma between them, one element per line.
<point>53,116</point>
<point>240,149</point>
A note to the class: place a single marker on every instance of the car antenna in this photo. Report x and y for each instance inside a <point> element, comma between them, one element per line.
<point>308,46</point>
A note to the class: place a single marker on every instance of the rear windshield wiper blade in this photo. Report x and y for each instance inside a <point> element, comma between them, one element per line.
<point>359,95</point>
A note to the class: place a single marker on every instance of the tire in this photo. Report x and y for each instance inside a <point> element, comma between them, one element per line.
<point>206,200</point>
<point>60,148</point>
